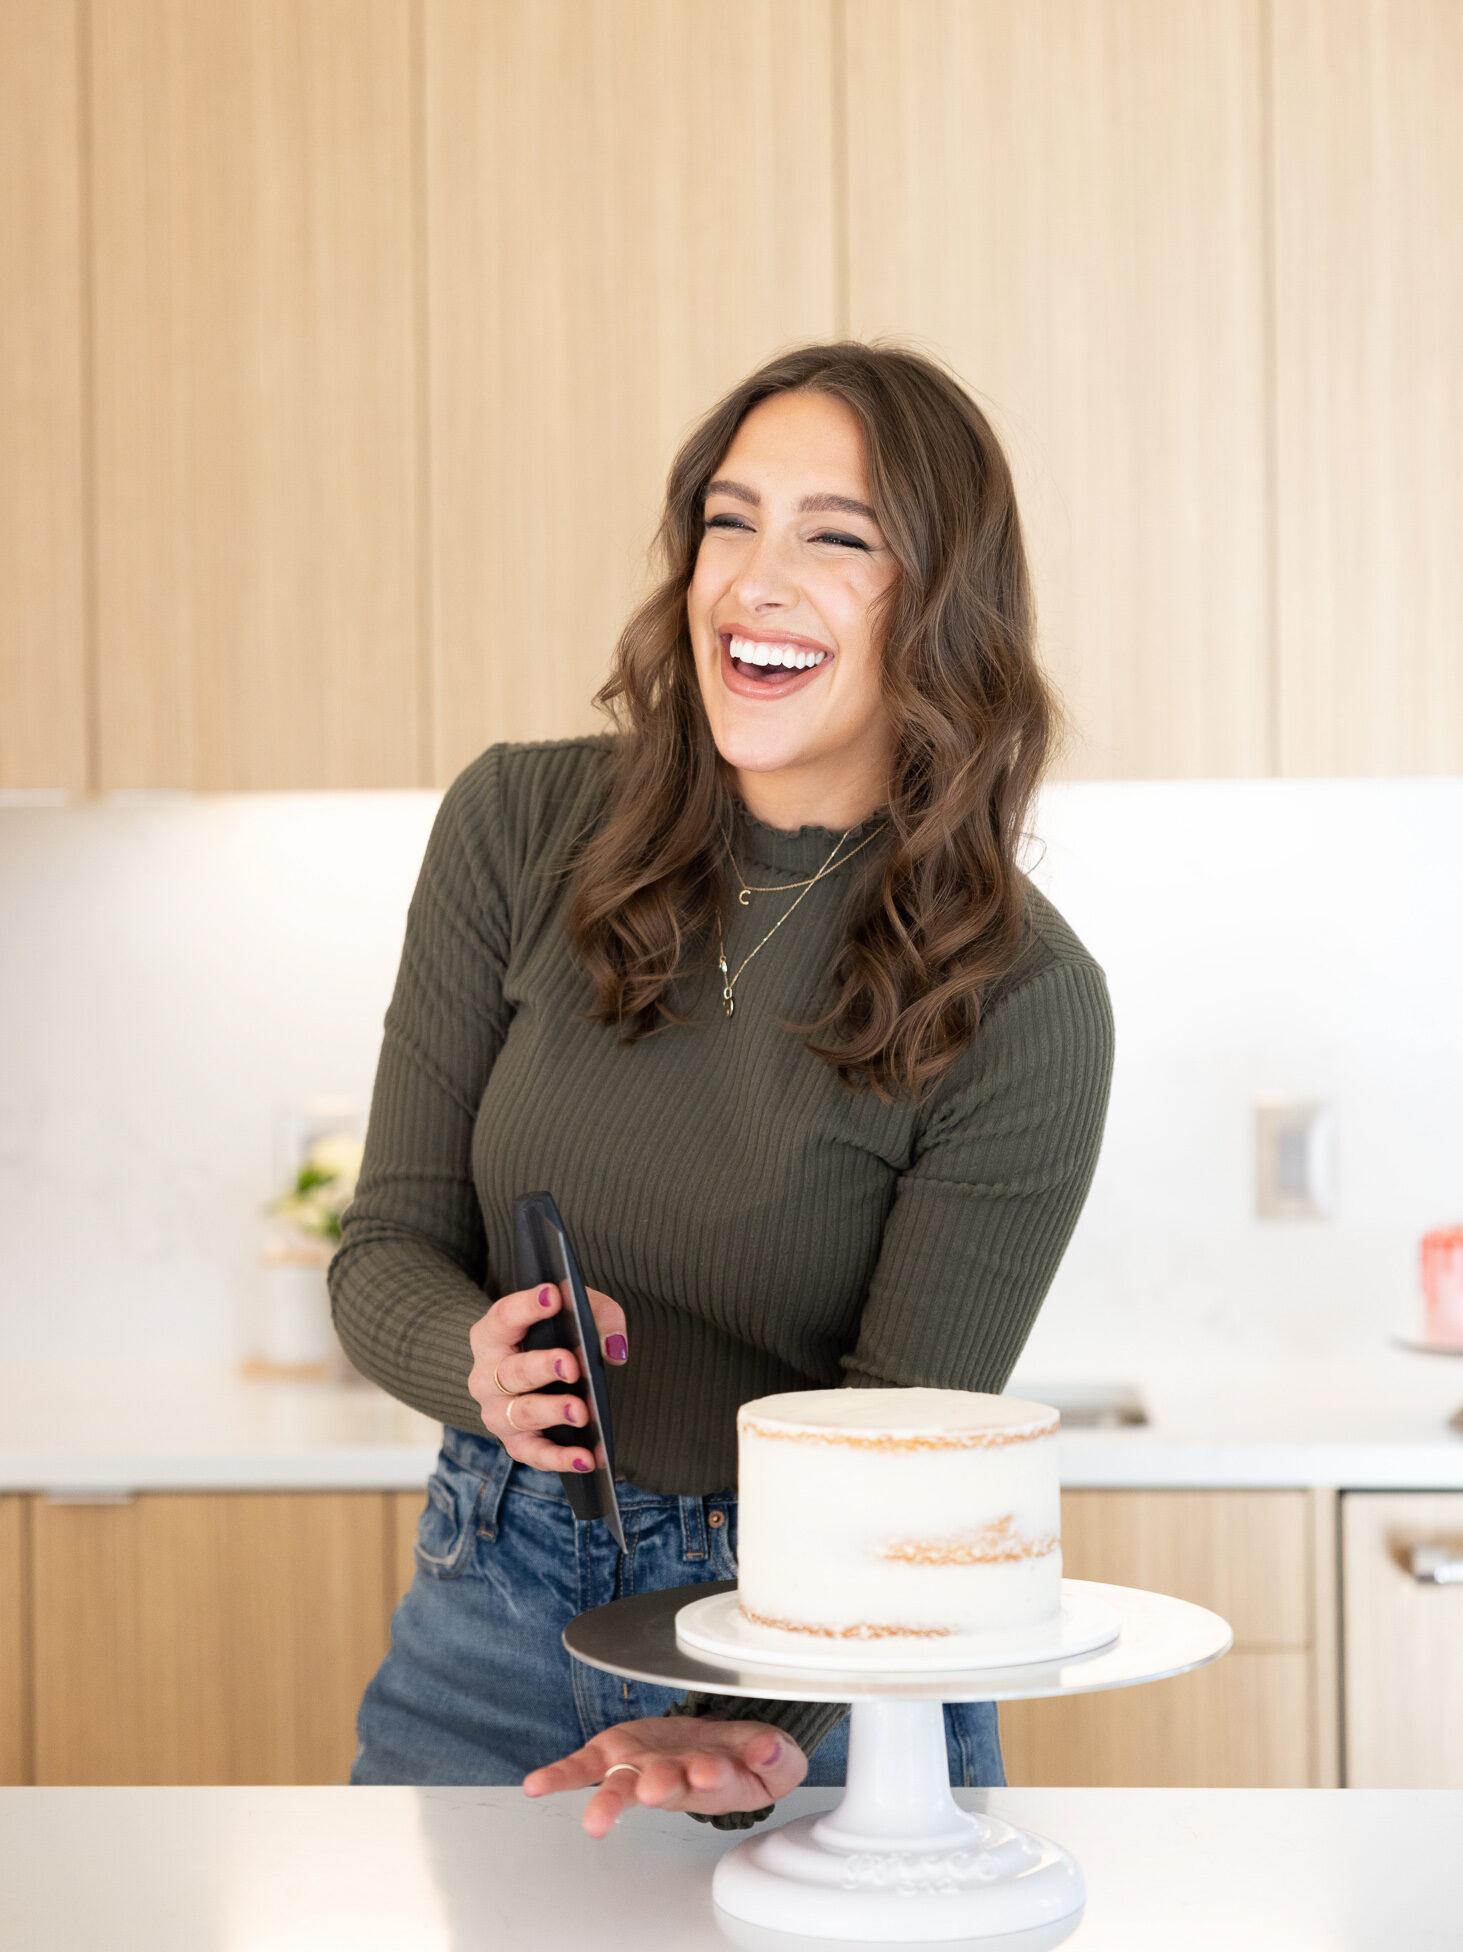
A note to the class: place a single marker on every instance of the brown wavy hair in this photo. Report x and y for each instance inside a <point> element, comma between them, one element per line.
<point>939,914</point>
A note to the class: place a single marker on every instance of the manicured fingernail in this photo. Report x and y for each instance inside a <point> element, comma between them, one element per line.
<point>545,1297</point>
<point>558,1368</point>
<point>572,1413</point>
<point>582,1464</point>
<point>770,1754</point>
<point>617,1348</point>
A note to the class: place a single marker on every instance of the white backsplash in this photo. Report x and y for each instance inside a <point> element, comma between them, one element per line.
<point>172,971</point>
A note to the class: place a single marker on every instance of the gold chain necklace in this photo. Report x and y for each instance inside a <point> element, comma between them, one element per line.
<point>786,887</point>
<point>728,981</point>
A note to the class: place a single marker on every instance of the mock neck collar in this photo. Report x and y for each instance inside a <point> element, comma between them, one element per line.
<point>801,852</point>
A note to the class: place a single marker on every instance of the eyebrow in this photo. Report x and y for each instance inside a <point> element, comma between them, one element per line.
<point>809,505</point>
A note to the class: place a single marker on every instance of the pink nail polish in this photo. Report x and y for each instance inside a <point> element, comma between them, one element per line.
<point>558,1368</point>
<point>617,1348</point>
<point>581,1465</point>
<point>545,1297</point>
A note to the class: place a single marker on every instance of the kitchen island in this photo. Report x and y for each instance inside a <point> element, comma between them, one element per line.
<point>443,1870</point>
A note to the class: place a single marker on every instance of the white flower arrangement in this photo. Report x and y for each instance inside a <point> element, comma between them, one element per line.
<point>324,1186</point>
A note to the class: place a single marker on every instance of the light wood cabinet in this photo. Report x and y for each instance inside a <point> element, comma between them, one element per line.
<point>1065,198</point>
<point>1403,1643</point>
<point>15,1744</point>
<point>1368,168</point>
<point>403,1510</point>
<point>1262,1717</point>
<point>628,206</point>
<point>344,346</point>
<point>43,580</point>
<point>255,302</point>
<point>202,1638</point>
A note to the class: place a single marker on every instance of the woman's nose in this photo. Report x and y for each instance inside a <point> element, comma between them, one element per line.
<point>767,575</point>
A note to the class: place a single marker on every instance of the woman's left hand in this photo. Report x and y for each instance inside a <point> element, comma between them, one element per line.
<point>681,1763</point>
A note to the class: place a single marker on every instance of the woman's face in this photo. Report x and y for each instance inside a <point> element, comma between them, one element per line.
<point>781,608</point>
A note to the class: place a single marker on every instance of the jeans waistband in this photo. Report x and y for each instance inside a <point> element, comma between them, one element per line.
<point>477,1452</point>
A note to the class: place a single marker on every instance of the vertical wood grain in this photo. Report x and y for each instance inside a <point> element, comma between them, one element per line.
<point>202,1638</point>
<point>404,1510</point>
<point>1403,1649</point>
<point>630,204</point>
<point>256,393</point>
<point>1369,384</point>
<point>42,523</point>
<point>1326,1639</point>
<point>1240,1724</point>
<point>15,1677</point>
<point>1064,199</point>
<point>1247,1720</point>
<point>1243,1554</point>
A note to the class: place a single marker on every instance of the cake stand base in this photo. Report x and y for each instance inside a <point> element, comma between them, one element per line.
<point>898,1859</point>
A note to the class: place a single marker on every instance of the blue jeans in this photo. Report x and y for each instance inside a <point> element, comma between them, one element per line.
<point>477,1687</point>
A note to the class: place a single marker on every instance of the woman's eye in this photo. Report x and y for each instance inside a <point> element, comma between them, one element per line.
<point>848,541</point>
<point>725,522</point>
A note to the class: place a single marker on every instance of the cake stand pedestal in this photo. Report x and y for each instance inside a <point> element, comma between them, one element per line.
<point>898,1859</point>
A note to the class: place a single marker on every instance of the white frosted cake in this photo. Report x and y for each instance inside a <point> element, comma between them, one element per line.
<point>902,1517</point>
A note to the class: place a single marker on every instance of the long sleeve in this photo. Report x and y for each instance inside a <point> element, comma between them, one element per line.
<point>977,1229</point>
<point>982,1218</point>
<point>406,1284</point>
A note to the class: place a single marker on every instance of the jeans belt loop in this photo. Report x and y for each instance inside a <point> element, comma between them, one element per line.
<point>495,1483</point>
<point>693,1526</point>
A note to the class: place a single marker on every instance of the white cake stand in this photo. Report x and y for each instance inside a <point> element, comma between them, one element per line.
<point>899,1859</point>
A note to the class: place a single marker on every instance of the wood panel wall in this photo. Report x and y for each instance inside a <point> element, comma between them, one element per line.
<point>629,204</point>
<point>256,394</point>
<point>355,336</point>
<point>43,583</point>
<point>1369,384</point>
<point>1065,199</point>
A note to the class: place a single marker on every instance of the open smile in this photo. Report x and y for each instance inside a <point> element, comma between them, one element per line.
<point>769,667</point>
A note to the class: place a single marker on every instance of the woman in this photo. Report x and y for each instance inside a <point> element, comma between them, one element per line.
<point>756,989</point>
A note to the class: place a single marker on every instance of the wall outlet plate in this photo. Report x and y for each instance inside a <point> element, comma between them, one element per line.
<point>1295,1159</point>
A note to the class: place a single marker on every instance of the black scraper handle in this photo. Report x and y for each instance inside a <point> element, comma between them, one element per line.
<point>542,1255</point>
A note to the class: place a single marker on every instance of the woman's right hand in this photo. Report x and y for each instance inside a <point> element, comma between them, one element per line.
<point>496,1347</point>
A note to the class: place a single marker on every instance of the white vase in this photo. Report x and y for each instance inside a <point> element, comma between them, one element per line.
<point>295,1336</point>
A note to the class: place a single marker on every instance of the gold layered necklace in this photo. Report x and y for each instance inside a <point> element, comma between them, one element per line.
<point>729,981</point>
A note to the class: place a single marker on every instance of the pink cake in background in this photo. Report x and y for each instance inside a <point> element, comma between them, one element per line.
<point>1442,1283</point>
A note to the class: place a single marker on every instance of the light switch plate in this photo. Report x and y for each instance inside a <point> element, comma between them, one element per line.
<point>1295,1159</point>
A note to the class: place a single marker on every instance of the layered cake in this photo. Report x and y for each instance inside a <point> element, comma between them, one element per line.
<point>906,1517</point>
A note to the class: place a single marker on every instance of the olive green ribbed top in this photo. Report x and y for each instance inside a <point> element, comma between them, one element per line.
<point>763,1227</point>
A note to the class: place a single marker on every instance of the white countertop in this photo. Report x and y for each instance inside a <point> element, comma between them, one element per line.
<point>204,1429</point>
<point>1372,1419</point>
<point>456,1870</point>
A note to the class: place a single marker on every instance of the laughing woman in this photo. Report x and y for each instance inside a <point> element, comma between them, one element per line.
<point>755,986</point>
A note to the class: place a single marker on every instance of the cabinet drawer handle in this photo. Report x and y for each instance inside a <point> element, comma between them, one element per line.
<point>1437,1565</point>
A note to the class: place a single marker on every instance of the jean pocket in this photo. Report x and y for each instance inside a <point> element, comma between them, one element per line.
<point>445,1529</point>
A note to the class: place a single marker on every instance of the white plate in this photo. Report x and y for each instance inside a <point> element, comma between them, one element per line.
<point>1428,1343</point>
<point>718,1626</point>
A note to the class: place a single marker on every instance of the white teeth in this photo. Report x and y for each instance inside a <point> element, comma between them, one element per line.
<point>750,652</point>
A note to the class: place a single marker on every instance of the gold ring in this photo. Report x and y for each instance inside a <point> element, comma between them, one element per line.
<point>509,1411</point>
<point>496,1384</point>
<point>621,1765</point>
